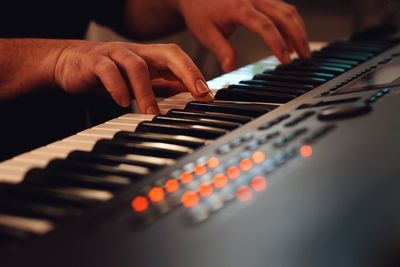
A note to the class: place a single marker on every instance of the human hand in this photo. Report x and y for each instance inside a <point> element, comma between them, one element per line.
<point>276,22</point>
<point>126,70</point>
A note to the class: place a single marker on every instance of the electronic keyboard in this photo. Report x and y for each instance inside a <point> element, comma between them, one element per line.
<point>291,165</point>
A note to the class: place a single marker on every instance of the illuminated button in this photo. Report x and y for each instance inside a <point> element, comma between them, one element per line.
<point>244,193</point>
<point>186,177</point>
<point>156,194</point>
<point>190,199</point>
<point>200,169</point>
<point>206,189</point>
<point>233,172</point>
<point>258,183</point>
<point>213,162</point>
<point>171,186</point>
<point>258,157</point>
<point>140,204</point>
<point>246,164</point>
<point>306,151</point>
<point>220,180</point>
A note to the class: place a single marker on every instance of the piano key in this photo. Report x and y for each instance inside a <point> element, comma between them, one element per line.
<point>348,50</point>
<point>26,224</point>
<point>312,63</point>
<point>197,121</point>
<point>359,46</point>
<point>122,170</point>
<point>330,70</point>
<point>253,95</point>
<point>292,85</point>
<point>92,186</point>
<point>212,115</point>
<point>181,140</point>
<point>301,73</point>
<point>188,130</point>
<point>31,209</point>
<point>11,235</point>
<point>154,149</point>
<point>277,77</point>
<point>45,195</point>
<point>115,160</point>
<point>229,108</point>
<point>348,63</point>
<point>259,86</point>
<point>339,55</point>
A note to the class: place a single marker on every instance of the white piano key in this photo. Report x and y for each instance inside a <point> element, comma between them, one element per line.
<point>99,195</point>
<point>31,225</point>
<point>100,133</point>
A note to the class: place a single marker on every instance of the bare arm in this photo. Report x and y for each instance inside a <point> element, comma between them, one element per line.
<point>120,68</point>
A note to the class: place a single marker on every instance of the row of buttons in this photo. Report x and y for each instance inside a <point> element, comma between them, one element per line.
<point>300,118</point>
<point>274,122</point>
<point>378,95</point>
<point>226,148</point>
<point>284,140</point>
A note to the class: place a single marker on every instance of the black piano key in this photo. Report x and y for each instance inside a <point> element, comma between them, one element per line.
<point>351,51</point>
<point>36,210</point>
<point>45,195</point>
<point>277,77</point>
<point>152,163</point>
<point>253,96</point>
<point>292,85</point>
<point>348,63</point>
<point>253,85</point>
<point>10,235</point>
<point>365,47</point>
<point>180,113</point>
<point>315,63</point>
<point>155,149</point>
<point>349,56</point>
<point>301,73</point>
<point>129,171</point>
<point>181,129</point>
<point>331,70</point>
<point>56,178</point>
<point>230,108</point>
<point>198,121</point>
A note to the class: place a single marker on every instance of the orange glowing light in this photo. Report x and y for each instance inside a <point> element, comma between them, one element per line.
<point>220,180</point>
<point>306,151</point>
<point>246,164</point>
<point>171,186</point>
<point>206,189</point>
<point>156,194</point>
<point>244,193</point>
<point>186,177</point>
<point>140,204</point>
<point>213,162</point>
<point>233,172</point>
<point>200,169</point>
<point>258,157</point>
<point>258,183</point>
<point>190,199</point>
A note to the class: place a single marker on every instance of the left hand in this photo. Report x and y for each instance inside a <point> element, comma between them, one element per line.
<point>276,22</point>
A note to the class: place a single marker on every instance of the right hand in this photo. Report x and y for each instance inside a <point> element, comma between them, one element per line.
<point>126,70</point>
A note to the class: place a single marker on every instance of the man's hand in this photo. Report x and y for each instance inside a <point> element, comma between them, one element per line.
<point>276,22</point>
<point>126,70</point>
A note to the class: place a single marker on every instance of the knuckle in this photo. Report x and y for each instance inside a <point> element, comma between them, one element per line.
<point>267,26</point>
<point>103,65</point>
<point>174,48</point>
<point>139,64</point>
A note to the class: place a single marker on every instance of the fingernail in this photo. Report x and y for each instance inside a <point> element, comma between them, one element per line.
<point>125,102</point>
<point>202,88</point>
<point>226,62</point>
<point>152,110</point>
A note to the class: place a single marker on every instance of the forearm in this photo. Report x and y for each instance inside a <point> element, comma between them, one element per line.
<point>27,65</point>
<point>152,18</point>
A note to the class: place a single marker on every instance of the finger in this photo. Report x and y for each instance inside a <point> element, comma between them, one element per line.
<point>289,21</point>
<point>173,58</point>
<point>137,72</point>
<point>164,74</point>
<point>165,88</point>
<point>216,42</point>
<point>109,75</point>
<point>261,25</point>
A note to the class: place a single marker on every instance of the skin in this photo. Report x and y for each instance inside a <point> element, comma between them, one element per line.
<point>127,70</point>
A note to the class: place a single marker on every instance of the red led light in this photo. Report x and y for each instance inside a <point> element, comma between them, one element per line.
<point>258,183</point>
<point>233,172</point>
<point>186,177</point>
<point>258,157</point>
<point>140,204</point>
<point>200,169</point>
<point>306,151</point>
<point>156,194</point>
<point>244,193</point>
<point>206,189</point>
<point>171,186</point>
<point>246,164</point>
<point>190,199</point>
<point>213,162</point>
<point>220,180</point>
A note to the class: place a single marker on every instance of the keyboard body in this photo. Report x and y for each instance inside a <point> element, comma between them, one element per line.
<point>333,199</point>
